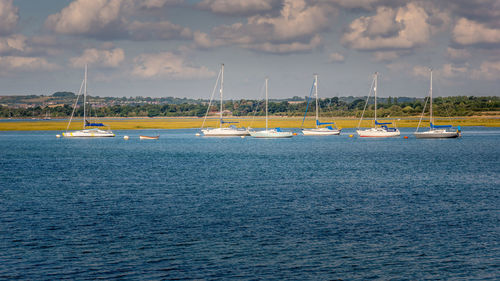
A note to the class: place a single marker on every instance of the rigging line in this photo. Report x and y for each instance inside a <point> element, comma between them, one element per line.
<point>74,106</point>
<point>423,111</point>
<point>307,106</point>
<point>366,103</point>
<point>211,98</point>
<point>257,107</point>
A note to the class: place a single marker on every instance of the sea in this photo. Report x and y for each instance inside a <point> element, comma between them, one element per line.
<point>307,208</point>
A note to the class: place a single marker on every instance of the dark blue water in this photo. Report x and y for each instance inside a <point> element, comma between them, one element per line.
<point>187,207</point>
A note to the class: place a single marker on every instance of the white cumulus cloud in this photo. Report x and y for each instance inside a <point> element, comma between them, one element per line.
<point>401,28</point>
<point>336,57</point>
<point>105,58</point>
<point>167,65</point>
<point>469,32</point>
<point>18,63</point>
<point>295,29</point>
<point>8,17</point>
<point>13,43</point>
<point>489,70</point>
<point>107,19</point>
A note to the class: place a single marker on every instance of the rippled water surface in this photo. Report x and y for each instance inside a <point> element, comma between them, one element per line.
<point>189,207</point>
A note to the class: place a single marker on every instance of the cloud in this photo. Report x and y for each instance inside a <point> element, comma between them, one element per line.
<point>484,11</point>
<point>167,65</point>
<point>489,70</point>
<point>88,17</point>
<point>457,55</point>
<point>163,30</point>
<point>154,4</point>
<point>389,29</point>
<point>285,48</point>
<point>336,57</point>
<point>237,7</point>
<point>109,19</point>
<point>420,71</point>
<point>355,4</point>
<point>446,70</point>
<point>8,17</point>
<point>468,32</point>
<point>295,29</point>
<point>385,56</point>
<point>105,58</point>
<point>13,44</point>
<point>450,71</point>
<point>17,63</point>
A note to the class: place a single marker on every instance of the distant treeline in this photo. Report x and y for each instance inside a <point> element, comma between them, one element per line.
<point>329,107</point>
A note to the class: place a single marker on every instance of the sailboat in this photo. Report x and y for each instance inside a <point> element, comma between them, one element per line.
<point>232,130</point>
<point>435,131</point>
<point>47,117</point>
<point>270,133</point>
<point>382,131</point>
<point>149,137</point>
<point>319,131</point>
<point>89,129</point>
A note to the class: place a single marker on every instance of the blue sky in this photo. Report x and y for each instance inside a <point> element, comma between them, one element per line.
<point>175,47</point>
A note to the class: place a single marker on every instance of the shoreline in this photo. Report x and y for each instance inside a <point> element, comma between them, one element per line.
<point>138,123</point>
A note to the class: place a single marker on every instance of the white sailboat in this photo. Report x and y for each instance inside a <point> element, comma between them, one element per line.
<point>270,133</point>
<point>89,129</point>
<point>231,131</point>
<point>435,131</point>
<point>376,132</point>
<point>319,131</point>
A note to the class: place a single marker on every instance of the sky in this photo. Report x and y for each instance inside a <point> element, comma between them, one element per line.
<point>161,48</point>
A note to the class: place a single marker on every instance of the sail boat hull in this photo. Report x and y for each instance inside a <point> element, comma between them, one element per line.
<point>271,134</point>
<point>437,134</point>
<point>224,132</point>
<point>90,133</point>
<point>320,132</point>
<point>378,133</point>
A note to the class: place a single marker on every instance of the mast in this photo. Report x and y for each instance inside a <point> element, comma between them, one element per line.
<point>267,79</point>
<point>316,94</point>
<point>85,99</point>
<point>221,92</point>
<point>375,89</point>
<point>430,93</point>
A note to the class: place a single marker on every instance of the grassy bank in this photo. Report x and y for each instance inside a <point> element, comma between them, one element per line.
<point>183,123</point>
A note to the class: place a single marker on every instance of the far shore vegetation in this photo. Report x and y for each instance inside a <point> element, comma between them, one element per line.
<point>176,113</point>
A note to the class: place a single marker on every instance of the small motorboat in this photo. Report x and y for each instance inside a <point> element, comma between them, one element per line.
<point>149,137</point>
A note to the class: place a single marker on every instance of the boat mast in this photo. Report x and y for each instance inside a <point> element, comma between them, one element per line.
<point>375,89</point>
<point>221,92</point>
<point>430,93</point>
<point>85,99</point>
<point>316,94</point>
<point>266,101</point>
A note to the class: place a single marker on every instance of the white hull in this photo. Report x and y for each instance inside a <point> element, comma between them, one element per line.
<point>271,134</point>
<point>378,133</point>
<point>225,132</point>
<point>436,134</point>
<point>320,132</point>
<point>148,138</point>
<point>90,133</point>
